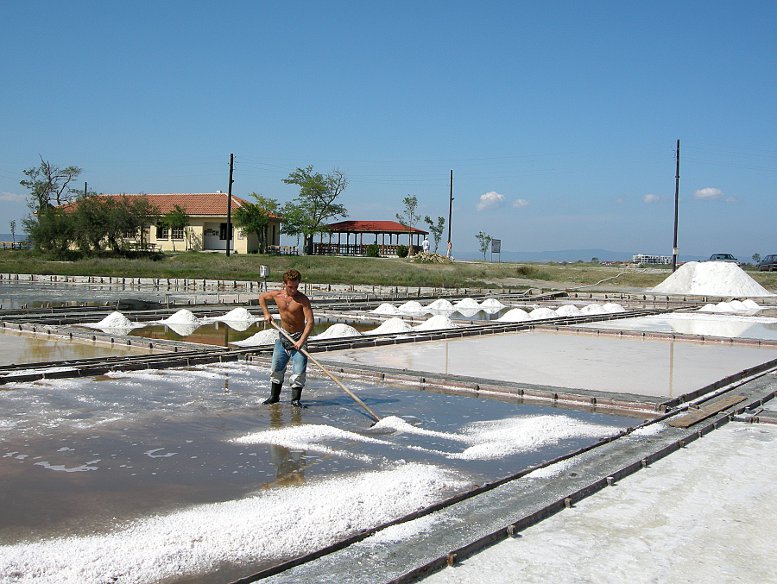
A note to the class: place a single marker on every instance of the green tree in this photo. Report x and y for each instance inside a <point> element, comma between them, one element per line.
<point>108,221</point>
<point>52,231</point>
<point>436,230</point>
<point>91,217</point>
<point>13,231</point>
<point>315,203</point>
<point>143,214</point>
<point>176,218</point>
<point>756,257</point>
<point>49,185</point>
<point>484,241</point>
<point>408,218</point>
<point>255,217</point>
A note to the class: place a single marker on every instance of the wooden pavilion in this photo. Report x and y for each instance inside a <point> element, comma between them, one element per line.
<point>348,237</point>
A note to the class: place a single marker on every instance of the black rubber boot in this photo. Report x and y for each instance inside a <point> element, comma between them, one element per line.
<point>275,393</point>
<point>296,394</point>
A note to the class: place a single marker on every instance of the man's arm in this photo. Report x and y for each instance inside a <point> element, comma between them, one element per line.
<point>307,310</point>
<point>263,298</point>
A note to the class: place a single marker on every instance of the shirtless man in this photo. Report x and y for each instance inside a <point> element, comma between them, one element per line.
<point>297,319</point>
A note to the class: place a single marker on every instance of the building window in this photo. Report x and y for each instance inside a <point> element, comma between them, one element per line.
<point>162,232</point>
<point>223,232</point>
<point>177,233</point>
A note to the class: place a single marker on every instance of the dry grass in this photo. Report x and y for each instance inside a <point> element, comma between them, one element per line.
<point>352,270</point>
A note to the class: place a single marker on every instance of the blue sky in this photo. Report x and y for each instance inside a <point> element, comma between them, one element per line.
<point>559,119</point>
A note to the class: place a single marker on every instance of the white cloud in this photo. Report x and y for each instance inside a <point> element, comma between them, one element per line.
<point>520,203</point>
<point>708,193</point>
<point>650,199</point>
<point>490,199</point>
<point>11,197</point>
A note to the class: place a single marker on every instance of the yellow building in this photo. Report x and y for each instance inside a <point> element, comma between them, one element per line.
<point>207,229</point>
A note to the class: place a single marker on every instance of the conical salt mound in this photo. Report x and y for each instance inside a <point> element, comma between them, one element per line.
<point>711,279</point>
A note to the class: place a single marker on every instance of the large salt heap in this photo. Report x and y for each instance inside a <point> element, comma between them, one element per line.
<point>711,279</point>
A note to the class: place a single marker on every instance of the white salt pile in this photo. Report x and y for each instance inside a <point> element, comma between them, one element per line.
<point>239,314</point>
<point>265,337</point>
<point>392,325</point>
<point>467,303</point>
<point>747,306</point>
<point>115,320</point>
<point>411,307</point>
<point>711,279</point>
<point>441,304</point>
<point>568,310</point>
<point>437,322</point>
<point>514,315</point>
<point>593,309</point>
<point>183,316</point>
<point>386,308</point>
<point>612,307</point>
<point>492,303</point>
<point>541,313</point>
<point>338,330</point>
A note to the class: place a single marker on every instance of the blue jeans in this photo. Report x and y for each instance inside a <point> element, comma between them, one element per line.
<point>280,359</point>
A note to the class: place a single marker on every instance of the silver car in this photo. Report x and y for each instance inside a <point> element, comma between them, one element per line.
<point>768,263</point>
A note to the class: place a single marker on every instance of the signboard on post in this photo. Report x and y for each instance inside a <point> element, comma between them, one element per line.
<point>496,248</point>
<point>264,271</point>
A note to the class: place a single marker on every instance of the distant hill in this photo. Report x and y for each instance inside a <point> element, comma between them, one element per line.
<point>562,255</point>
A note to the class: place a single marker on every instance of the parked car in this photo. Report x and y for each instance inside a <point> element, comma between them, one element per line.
<point>768,263</point>
<point>724,257</point>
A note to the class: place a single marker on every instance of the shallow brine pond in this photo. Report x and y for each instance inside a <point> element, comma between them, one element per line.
<point>124,470</point>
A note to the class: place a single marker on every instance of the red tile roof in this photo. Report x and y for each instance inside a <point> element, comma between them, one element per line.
<point>196,204</point>
<point>192,203</point>
<point>372,227</point>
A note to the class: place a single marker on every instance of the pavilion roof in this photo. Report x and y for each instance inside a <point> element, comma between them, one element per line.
<point>372,227</point>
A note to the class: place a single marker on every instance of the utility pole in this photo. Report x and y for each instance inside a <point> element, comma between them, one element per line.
<point>450,216</point>
<point>229,203</point>
<point>85,188</point>
<point>675,251</point>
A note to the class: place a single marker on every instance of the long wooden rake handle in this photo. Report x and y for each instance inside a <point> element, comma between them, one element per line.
<point>353,396</point>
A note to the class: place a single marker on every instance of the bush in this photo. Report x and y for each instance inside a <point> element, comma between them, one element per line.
<point>373,250</point>
<point>402,251</point>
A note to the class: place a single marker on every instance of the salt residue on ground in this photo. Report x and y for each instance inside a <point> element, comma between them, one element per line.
<point>485,440</point>
<point>273,524</point>
<point>390,326</point>
<point>500,438</point>
<point>338,330</point>
<point>265,337</point>
<point>711,279</point>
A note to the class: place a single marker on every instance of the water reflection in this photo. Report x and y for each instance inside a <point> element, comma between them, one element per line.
<point>289,464</point>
